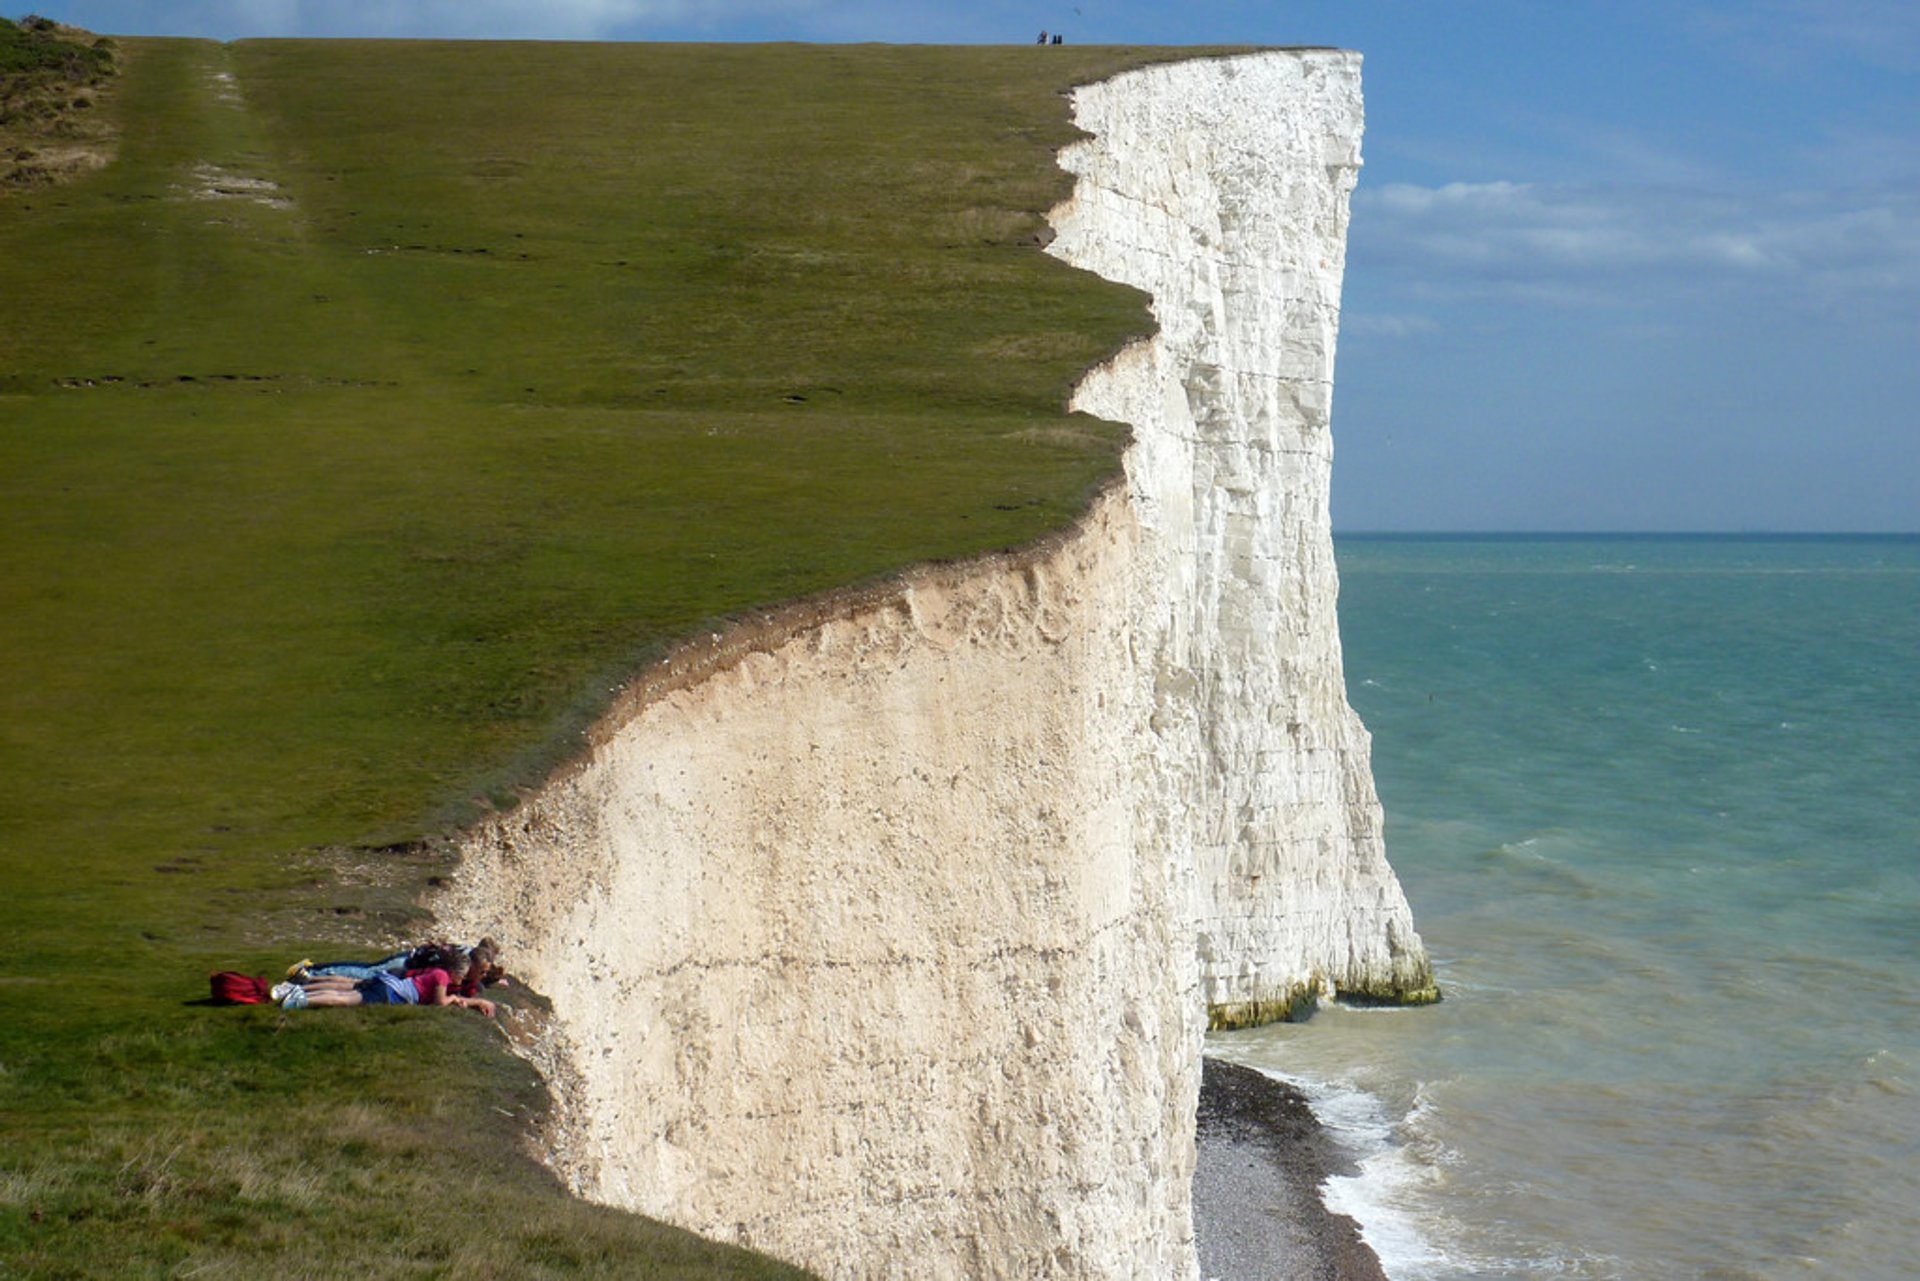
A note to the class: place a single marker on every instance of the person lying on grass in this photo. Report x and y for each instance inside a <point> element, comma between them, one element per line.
<point>483,969</point>
<point>418,987</point>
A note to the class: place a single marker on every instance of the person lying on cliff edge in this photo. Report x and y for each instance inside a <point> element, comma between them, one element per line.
<point>436,986</point>
<point>483,969</point>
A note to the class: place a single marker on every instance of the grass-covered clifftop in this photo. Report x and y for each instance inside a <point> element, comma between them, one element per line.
<point>360,425</point>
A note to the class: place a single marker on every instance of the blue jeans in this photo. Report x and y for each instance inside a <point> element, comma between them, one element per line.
<point>358,970</point>
<point>387,989</point>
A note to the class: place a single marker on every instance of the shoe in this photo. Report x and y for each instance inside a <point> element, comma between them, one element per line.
<point>279,992</point>
<point>298,970</point>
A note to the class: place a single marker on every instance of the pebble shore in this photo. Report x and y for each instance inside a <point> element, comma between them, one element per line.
<point>1257,1212</point>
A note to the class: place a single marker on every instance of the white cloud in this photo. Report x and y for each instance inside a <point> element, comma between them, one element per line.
<point>1591,242</point>
<point>438,19</point>
<point>510,19</point>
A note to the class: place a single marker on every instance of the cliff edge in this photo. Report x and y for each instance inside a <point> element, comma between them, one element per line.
<point>885,942</point>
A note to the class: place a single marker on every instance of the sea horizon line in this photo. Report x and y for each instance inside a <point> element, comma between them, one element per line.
<point>1630,535</point>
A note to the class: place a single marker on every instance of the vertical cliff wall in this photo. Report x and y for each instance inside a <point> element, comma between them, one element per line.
<point>855,953</point>
<point>1221,188</point>
<point>882,937</point>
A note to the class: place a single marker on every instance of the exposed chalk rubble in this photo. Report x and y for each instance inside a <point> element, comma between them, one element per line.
<point>884,940</point>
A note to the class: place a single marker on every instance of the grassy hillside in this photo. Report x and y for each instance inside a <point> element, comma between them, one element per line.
<point>371,413</point>
<point>51,79</point>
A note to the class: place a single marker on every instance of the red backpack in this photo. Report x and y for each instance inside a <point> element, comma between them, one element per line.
<point>230,987</point>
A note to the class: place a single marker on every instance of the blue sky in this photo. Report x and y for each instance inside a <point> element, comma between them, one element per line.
<point>1619,265</point>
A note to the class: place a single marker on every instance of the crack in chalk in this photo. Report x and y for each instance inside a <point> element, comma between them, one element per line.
<point>894,963</point>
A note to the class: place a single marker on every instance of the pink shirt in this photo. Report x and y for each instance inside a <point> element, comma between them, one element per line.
<point>424,982</point>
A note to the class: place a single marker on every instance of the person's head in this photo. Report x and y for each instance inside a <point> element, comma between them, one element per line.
<point>485,959</point>
<point>456,966</point>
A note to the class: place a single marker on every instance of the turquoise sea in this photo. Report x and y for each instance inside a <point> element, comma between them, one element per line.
<point>1656,804</point>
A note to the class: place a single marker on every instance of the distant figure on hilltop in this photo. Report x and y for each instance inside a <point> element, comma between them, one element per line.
<point>1042,39</point>
<point>1058,39</point>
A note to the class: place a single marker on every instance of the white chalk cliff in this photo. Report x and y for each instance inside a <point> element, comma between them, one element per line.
<point>1221,188</point>
<point>884,940</point>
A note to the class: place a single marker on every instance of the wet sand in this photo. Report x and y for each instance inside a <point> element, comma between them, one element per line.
<point>1257,1214</point>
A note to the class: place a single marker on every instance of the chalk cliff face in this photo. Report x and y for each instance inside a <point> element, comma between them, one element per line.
<point>1221,188</point>
<point>855,953</point>
<point>883,938</point>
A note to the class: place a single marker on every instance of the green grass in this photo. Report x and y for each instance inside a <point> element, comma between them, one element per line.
<point>33,49</point>
<point>333,509</point>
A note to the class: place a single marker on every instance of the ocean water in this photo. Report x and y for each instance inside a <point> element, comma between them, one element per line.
<point>1656,804</point>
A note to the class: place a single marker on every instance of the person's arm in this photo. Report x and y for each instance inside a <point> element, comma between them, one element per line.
<point>439,995</point>
<point>479,1003</point>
